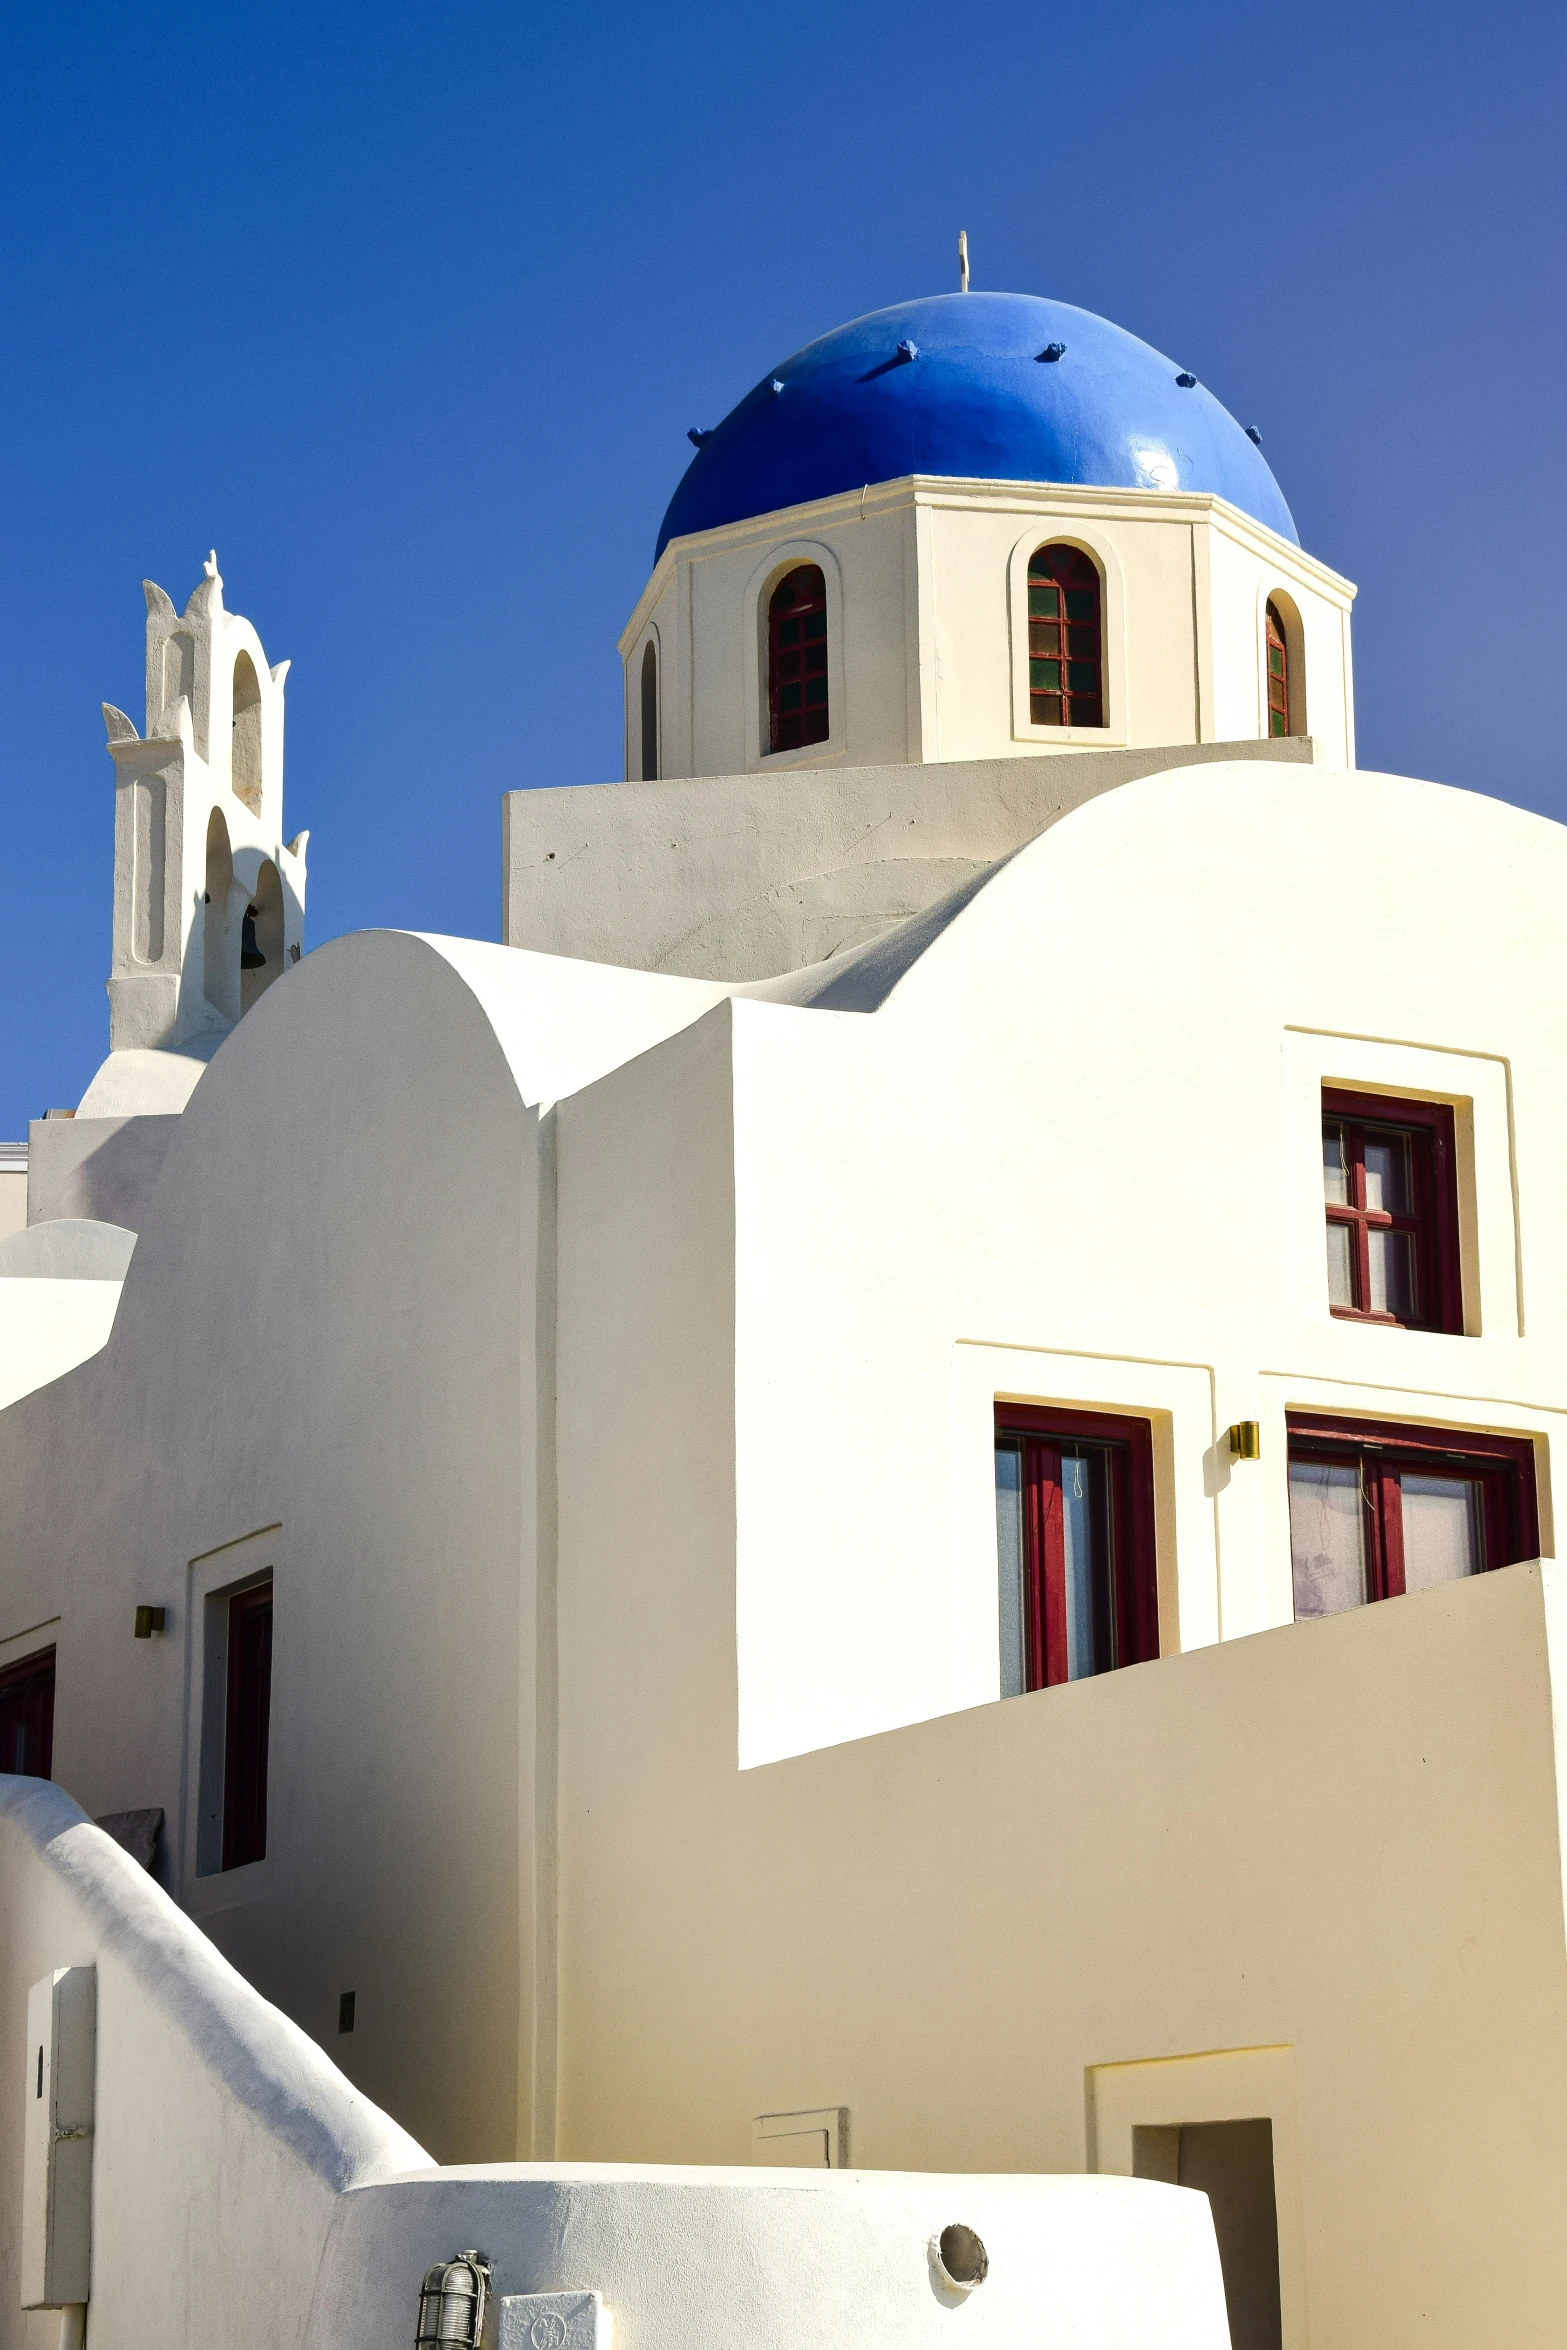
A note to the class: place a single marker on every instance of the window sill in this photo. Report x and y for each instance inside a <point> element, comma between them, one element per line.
<point>1389,1322</point>
<point>1072,738</point>
<point>827,754</point>
<point>228,1888</point>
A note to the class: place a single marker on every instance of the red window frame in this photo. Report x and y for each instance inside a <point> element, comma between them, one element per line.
<point>1127,1570</point>
<point>797,700</point>
<point>1504,1465</point>
<point>27,1715</point>
<point>1278,673</point>
<point>248,1723</point>
<point>1065,638</point>
<point>1434,1221</point>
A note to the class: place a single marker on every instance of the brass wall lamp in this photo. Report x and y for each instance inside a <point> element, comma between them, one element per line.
<point>1244,1439</point>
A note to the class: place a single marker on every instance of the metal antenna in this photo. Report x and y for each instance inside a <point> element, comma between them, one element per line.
<point>963,261</point>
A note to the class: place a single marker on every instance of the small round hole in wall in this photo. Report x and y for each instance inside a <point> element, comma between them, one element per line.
<point>962,2257</point>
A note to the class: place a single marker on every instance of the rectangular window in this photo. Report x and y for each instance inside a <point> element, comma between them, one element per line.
<point>247,1722</point>
<point>27,1715</point>
<point>1378,1510</point>
<point>1390,1191</point>
<point>1074,1527</point>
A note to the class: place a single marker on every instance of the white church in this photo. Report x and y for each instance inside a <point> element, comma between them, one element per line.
<point>719,1577</point>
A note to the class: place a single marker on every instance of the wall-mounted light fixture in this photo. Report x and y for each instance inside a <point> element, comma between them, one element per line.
<point>452,2302</point>
<point>148,1621</point>
<point>1244,1440</point>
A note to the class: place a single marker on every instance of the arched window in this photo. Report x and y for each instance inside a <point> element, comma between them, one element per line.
<point>650,712</point>
<point>1065,639</point>
<point>797,660</point>
<point>1278,672</point>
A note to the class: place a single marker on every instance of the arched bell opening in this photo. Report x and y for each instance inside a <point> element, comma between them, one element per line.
<point>245,766</point>
<point>261,937</point>
<point>219,943</point>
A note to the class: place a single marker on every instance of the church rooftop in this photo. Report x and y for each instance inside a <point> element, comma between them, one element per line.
<point>997,387</point>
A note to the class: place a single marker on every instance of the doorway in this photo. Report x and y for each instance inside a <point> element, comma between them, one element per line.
<point>1231,2163</point>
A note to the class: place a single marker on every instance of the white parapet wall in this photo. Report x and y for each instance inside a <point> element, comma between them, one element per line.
<point>691,2259</point>
<point>244,2193</point>
<point>223,2136</point>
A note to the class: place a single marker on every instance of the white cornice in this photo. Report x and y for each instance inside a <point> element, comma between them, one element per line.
<point>1014,497</point>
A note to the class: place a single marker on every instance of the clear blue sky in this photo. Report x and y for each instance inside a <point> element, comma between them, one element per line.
<point>407,310</point>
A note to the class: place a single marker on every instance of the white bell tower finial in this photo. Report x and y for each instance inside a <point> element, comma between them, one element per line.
<point>210,567</point>
<point>963,261</point>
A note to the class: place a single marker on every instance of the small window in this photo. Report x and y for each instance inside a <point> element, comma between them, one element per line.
<point>650,712</point>
<point>27,1715</point>
<point>1278,673</point>
<point>247,1725</point>
<point>797,660</point>
<point>1376,1511</point>
<point>1065,639</point>
<point>1389,1183</point>
<point>1074,1525</point>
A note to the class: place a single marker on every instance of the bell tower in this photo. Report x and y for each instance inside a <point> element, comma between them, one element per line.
<point>209,902</point>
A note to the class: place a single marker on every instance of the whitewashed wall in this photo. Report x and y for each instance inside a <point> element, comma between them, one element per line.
<point>927,613</point>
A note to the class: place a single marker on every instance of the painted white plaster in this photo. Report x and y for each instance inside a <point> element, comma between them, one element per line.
<point>49,1326</point>
<point>691,2257</point>
<point>602,1359</point>
<point>742,877</point>
<point>198,838</point>
<point>143,1081</point>
<point>243,2190</point>
<point>224,2138</point>
<point>928,657</point>
<point>69,1248</point>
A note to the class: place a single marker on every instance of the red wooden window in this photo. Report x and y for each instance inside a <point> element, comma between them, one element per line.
<point>797,660</point>
<point>1377,1509</point>
<point>248,1725</point>
<point>1278,674</point>
<point>27,1715</point>
<point>1074,1523</point>
<point>1065,639</point>
<point>1390,1188</point>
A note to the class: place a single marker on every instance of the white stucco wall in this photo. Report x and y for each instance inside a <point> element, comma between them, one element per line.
<point>330,1342</point>
<point>47,1327</point>
<point>325,1344</point>
<point>927,627</point>
<point>213,752</point>
<point>242,2191</point>
<point>664,1416</point>
<point>222,2136</point>
<point>1073,1157</point>
<point>741,877</point>
<point>1321,1867</point>
<point>13,1189</point>
<point>687,2257</point>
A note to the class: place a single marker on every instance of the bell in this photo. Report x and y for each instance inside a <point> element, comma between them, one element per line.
<point>251,957</point>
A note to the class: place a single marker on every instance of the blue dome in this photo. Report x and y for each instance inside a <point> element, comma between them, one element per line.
<point>976,398</point>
